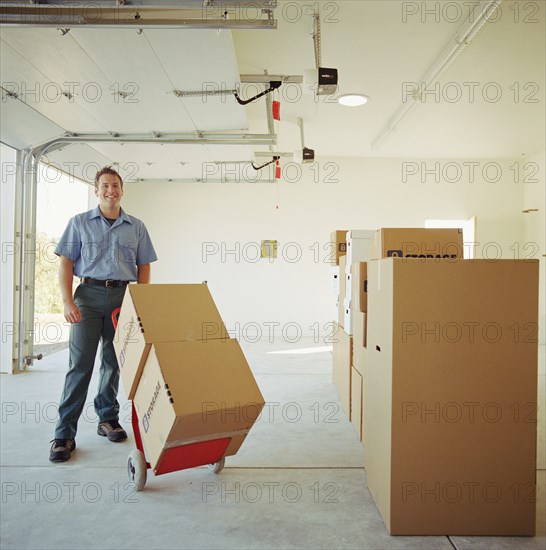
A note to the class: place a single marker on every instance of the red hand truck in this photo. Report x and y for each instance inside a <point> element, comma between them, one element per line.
<point>203,453</point>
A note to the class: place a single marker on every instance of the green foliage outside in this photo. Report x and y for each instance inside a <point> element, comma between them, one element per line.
<point>48,296</point>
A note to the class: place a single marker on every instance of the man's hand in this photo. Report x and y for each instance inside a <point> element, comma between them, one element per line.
<point>72,313</point>
<point>66,275</point>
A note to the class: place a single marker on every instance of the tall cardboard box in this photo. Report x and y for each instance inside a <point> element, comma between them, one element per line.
<point>194,392</point>
<point>358,319</point>
<point>348,317</point>
<point>356,401</point>
<point>348,282</point>
<point>363,286</point>
<point>360,354</point>
<point>451,395</point>
<point>358,294</point>
<point>334,280</point>
<point>162,313</point>
<point>359,351</point>
<point>341,370</point>
<point>418,242</point>
<point>359,341</point>
<point>338,246</point>
<point>342,292</point>
<point>358,245</point>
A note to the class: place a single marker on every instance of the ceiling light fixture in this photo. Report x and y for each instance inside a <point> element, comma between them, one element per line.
<point>353,100</point>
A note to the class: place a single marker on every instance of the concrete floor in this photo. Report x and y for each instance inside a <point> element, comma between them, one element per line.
<point>297,482</point>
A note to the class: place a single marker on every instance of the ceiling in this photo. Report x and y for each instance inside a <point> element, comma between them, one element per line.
<point>380,48</point>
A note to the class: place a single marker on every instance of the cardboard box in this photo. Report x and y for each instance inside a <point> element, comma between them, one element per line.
<point>359,340</point>
<point>355,234</point>
<point>342,292</point>
<point>334,280</point>
<point>356,401</point>
<point>358,278</point>
<point>450,395</point>
<point>417,243</point>
<point>195,391</point>
<point>363,419</point>
<point>357,317</point>
<point>358,245</point>
<point>338,245</point>
<point>348,285</point>
<point>341,371</point>
<point>363,286</point>
<point>162,313</point>
<point>347,318</point>
<point>360,353</point>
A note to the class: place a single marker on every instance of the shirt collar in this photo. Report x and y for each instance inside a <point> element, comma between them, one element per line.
<point>95,213</point>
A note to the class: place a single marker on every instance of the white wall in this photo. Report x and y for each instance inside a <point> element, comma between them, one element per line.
<point>7,240</point>
<point>370,193</point>
<point>535,226</point>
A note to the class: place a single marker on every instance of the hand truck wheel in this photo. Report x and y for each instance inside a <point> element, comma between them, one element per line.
<point>218,466</point>
<point>136,469</point>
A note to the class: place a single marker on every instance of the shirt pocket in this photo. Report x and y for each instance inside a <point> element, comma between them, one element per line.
<point>92,250</point>
<point>126,253</point>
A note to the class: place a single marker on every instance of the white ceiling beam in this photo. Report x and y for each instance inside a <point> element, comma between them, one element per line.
<point>197,138</point>
<point>202,14</point>
<point>150,4</point>
<point>466,33</point>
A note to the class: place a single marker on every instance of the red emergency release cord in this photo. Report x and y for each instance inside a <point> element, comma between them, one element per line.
<point>115,313</point>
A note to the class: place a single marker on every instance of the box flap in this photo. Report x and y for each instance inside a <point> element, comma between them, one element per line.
<point>360,234</point>
<point>169,312</point>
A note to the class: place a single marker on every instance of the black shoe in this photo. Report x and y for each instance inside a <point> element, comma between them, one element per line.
<point>61,449</point>
<point>112,430</point>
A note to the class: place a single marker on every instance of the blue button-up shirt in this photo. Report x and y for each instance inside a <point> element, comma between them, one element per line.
<point>103,251</point>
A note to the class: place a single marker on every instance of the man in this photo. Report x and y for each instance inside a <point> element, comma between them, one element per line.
<point>106,249</point>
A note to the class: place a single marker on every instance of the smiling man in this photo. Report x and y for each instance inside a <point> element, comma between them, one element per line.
<point>107,249</point>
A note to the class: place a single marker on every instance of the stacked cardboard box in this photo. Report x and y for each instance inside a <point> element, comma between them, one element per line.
<point>189,381</point>
<point>338,245</point>
<point>349,299</point>
<point>358,250</point>
<point>342,348</point>
<point>450,391</point>
<point>338,249</point>
<point>342,351</point>
<point>417,243</point>
<point>342,292</point>
<point>358,245</point>
<point>358,372</point>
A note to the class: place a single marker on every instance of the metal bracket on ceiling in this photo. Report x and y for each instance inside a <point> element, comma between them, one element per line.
<point>316,38</point>
<point>265,154</point>
<point>275,159</point>
<point>273,85</point>
<point>302,137</point>
<point>203,93</point>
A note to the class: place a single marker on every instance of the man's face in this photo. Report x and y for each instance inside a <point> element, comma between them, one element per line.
<point>109,192</point>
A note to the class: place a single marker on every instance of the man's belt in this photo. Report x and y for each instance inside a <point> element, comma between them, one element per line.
<point>110,283</point>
